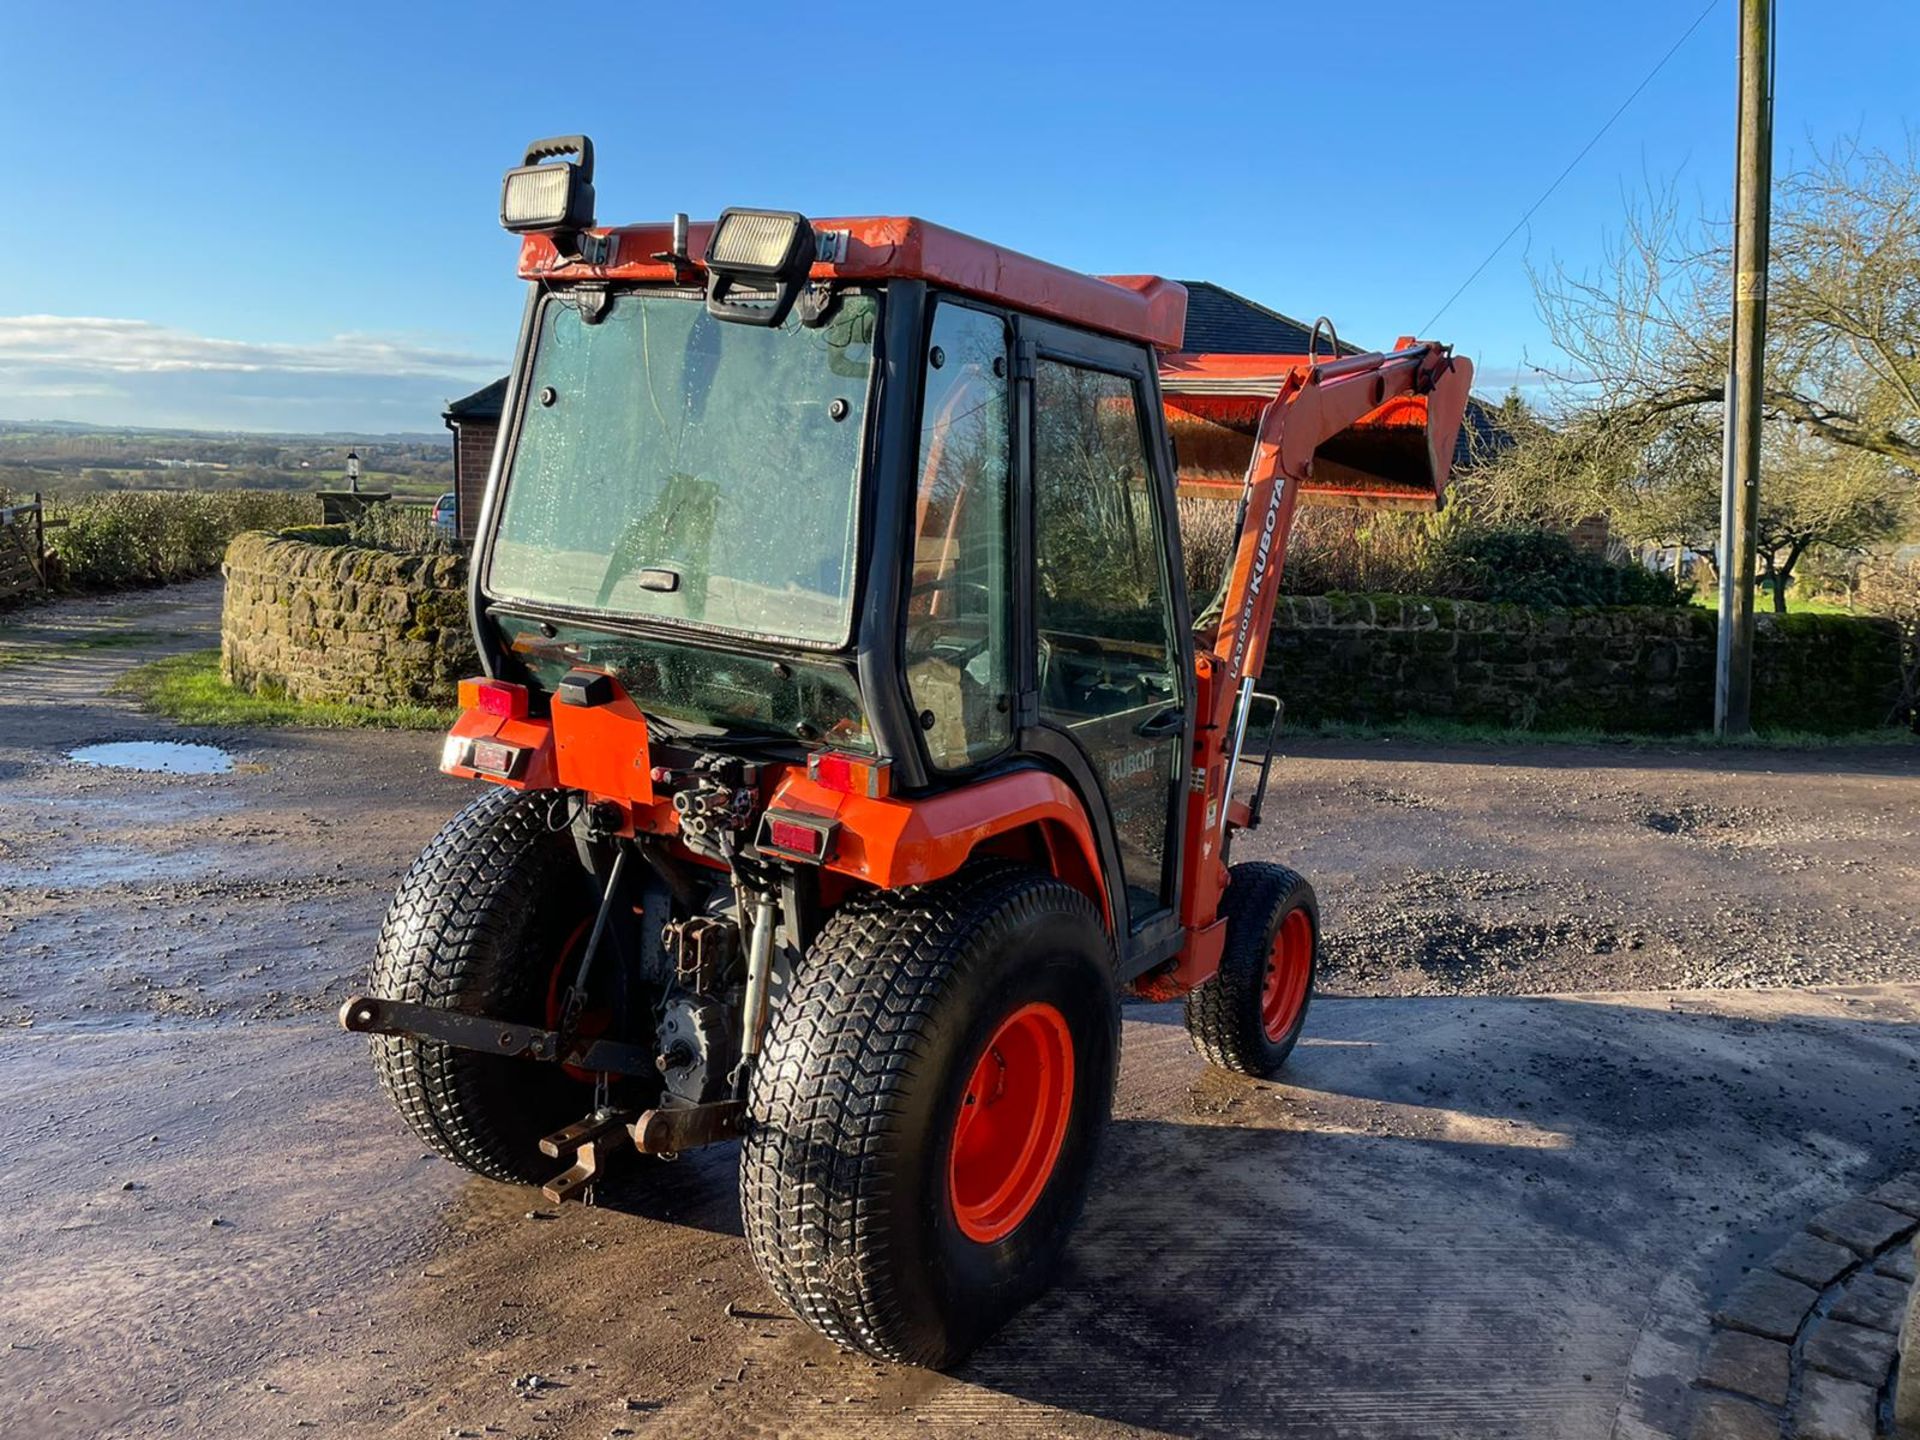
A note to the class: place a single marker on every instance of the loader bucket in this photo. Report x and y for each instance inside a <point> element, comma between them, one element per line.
<point>1396,456</point>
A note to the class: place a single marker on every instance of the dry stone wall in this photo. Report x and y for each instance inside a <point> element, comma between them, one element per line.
<point>340,623</point>
<point>337,622</point>
<point>1383,658</point>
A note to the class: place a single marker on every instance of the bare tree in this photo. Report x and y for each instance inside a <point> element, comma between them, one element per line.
<point>1634,402</point>
<point>1892,589</point>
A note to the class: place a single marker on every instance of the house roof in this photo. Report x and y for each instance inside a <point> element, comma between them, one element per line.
<point>1481,434</point>
<point>483,404</point>
<point>1219,322</point>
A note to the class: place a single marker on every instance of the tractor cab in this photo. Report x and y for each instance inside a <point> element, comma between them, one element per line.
<point>862,491</point>
<point>848,747</point>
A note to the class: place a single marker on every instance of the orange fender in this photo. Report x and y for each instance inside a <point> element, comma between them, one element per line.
<point>892,842</point>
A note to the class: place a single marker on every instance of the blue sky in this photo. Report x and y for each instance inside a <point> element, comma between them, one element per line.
<point>285,217</point>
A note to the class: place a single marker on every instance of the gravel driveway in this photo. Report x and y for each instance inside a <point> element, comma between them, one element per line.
<point>1467,1212</point>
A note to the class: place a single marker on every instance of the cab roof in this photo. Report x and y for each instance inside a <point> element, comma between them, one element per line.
<point>1136,307</point>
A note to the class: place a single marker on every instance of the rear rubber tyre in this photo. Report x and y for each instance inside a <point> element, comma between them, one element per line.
<point>479,926</point>
<point>925,1115</point>
<point>1248,1015</point>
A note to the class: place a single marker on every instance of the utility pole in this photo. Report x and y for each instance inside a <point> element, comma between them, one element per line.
<point>1740,484</point>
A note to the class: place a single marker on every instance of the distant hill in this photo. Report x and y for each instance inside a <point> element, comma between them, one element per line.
<point>59,457</point>
<point>325,437</point>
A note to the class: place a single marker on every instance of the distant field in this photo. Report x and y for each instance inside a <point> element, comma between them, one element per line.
<point>72,460</point>
<point>99,480</point>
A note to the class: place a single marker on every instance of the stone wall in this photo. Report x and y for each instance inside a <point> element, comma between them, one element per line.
<point>340,623</point>
<point>336,622</point>
<point>1375,659</point>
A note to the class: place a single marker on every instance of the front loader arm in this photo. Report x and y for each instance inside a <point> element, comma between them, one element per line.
<point>1364,429</point>
<point>1373,405</point>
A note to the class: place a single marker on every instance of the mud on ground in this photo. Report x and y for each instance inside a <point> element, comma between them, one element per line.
<point>1463,1214</point>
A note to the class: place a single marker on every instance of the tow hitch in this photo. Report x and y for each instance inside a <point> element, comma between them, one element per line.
<point>588,1143</point>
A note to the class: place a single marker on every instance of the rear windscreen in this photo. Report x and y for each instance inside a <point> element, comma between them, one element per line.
<point>675,467</point>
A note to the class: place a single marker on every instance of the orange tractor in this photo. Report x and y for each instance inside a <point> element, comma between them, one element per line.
<point>849,745</point>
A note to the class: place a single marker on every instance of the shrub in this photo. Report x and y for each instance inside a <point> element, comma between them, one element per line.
<point>1542,569</point>
<point>1375,552</point>
<point>149,537</point>
<point>407,529</point>
<point>316,534</point>
<point>1207,534</point>
<point>1445,554</point>
<point>1892,589</point>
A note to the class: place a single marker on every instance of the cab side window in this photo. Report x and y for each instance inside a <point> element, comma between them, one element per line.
<point>1100,601</point>
<point>958,634</point>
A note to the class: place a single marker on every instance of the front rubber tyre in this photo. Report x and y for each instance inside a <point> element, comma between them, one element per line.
<point>479,925</point>
<point>1248,1015</point>
<point>925,1115</point>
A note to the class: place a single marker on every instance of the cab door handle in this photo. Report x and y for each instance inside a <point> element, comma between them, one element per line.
<point>1159,727</point>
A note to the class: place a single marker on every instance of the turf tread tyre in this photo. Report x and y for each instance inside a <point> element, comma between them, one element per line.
<point>837,1110</point>
<point>465,932</point>
<point>1223,1011</point>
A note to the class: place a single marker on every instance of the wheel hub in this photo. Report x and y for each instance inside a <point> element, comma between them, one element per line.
<point>1289,970</point>
<point>1012,1121</point>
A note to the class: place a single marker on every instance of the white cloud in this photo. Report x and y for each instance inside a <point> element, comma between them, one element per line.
<point>1498,379</point>
<point>131,372</point>
<point>90,343</point>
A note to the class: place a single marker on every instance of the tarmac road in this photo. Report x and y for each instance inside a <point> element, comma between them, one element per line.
<point>1467,1212</point>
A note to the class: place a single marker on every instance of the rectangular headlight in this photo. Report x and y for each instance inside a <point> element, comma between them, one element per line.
<point>773,243</point>
<point>546,197</point>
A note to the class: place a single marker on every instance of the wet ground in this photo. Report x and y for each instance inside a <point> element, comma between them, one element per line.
<point>1467,1213</point>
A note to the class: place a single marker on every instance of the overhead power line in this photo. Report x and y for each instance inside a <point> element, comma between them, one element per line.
<point>1546,194</point>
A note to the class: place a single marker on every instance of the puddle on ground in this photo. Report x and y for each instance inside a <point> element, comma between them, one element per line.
<point>99,865</point>
<point>159,757</point>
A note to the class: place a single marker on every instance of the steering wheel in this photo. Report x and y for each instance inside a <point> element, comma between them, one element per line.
<point>961,655</point>
<point>947,582</point>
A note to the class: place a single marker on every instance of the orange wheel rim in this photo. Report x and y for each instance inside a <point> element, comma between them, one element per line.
<point>1289,971</point>
<point>1012,1122</point>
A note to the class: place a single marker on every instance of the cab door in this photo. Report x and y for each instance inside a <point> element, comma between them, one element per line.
<point>1106,633</point>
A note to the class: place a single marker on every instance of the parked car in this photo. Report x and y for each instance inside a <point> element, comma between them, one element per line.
<point>444,518</point>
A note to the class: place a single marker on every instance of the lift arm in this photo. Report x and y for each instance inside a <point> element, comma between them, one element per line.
<point>1364,429</point>
<point>1387,424</point>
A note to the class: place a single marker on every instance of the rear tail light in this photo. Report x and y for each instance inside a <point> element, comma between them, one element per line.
<point>833,771</point>
<point>797,837</point>
<point>490,757</point>
<point>499,698</point>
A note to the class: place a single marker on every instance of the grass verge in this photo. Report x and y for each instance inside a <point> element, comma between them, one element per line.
<point>1453,732</point>
<point>1709,599</point>
<point>188,688</point>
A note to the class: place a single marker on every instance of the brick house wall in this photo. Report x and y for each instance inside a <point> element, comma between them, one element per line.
<point>475,422</point>
<point>1590,536</point>
<point>472,455</point>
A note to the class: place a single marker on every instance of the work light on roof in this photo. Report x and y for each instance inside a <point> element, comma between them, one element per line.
<point>757,263</point>
<point>548,193</point>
